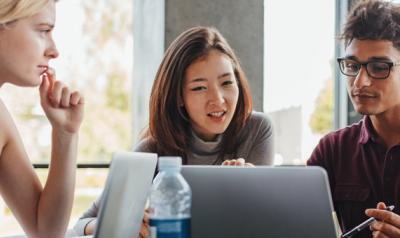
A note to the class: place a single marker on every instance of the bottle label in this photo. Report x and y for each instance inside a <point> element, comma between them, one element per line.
<point>170,228</point>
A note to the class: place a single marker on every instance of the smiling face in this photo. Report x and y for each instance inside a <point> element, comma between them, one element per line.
<point>210,94</point>
<point>26,46</point>
<point>374,96</point>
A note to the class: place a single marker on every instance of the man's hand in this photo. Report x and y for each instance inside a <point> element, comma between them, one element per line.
<point>387,224</point>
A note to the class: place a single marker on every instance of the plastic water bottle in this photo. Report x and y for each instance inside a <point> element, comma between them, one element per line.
<point>170,201</point>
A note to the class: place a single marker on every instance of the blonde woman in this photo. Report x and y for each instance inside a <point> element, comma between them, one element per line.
<point>26,47</point>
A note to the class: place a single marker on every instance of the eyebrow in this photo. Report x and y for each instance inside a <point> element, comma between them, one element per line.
<point>46,24</point>
<point>198,80</point>
<point>204,79</point>
<point>374,58</point>
<point>224,75</point>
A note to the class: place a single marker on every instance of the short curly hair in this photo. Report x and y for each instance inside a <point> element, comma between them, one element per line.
<point>373,20</point>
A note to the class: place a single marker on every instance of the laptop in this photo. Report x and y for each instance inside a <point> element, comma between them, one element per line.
<point>260,202</point>
<point>125,194</point>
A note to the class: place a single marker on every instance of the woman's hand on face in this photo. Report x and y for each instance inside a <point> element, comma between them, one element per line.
<point>63,107</point>
<point>237,162</point>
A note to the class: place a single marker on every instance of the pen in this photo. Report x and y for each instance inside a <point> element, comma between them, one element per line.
<point>363,225</point>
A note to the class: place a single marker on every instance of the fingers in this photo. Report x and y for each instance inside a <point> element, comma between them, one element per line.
<point>44,87</point>
<point>51,75</point>
<point>387,224</point>
<point>144,229</point>
<point>48,77</point>
<point>383,215</point>
<point>237,162</point>
<point>381,205</point>
<point>249,165</point>
<point>76,98</point>
<point>383,229</point>
<point>378,234</point>
<point>146,216</point>
<point>233,162</point>
<point>57,93</point>
<point>65,97</point>
<point>68,98</point>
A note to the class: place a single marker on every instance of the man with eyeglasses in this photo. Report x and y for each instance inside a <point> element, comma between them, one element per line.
<point>363,159</point>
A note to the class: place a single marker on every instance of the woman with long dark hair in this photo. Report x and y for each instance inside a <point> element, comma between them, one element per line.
<point>201,110</point>
<point>201,106</point>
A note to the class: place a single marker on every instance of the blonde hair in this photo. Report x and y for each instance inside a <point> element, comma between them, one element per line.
<point>12,10</point>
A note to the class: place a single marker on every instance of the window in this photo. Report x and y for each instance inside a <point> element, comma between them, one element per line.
<point>299,71</point>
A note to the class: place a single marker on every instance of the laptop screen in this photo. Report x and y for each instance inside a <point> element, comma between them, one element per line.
<point>125,194</point>
<point>260,202</point>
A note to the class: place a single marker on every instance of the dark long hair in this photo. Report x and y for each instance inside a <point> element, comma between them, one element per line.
<point>169,126</point>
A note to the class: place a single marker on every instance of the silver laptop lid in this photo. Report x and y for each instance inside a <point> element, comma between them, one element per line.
<point>125,194</point>
<point>260,202</point>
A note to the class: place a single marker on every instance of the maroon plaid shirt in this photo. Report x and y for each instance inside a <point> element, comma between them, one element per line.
<point>362,172</point>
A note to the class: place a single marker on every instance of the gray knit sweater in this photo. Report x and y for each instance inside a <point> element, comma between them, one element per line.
<point>256,146</point>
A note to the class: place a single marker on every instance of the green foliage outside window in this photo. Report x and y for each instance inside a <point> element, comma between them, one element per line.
<point>321,120</point>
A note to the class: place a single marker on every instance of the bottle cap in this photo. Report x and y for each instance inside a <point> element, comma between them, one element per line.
<point>169,162</point>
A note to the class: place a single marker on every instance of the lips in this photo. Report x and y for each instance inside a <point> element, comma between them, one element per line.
<point>363,94</point>
<point>216,114</point>
<point>364,98</point>
<point>43,68</point>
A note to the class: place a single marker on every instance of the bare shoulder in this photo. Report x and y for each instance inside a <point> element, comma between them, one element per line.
<point>4,126</point>
<point>8,130</point>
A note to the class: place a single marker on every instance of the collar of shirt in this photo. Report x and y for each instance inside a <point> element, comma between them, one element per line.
<point>367,131</point>
<point>201,147</point>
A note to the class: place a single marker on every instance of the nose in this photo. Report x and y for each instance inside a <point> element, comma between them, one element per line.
<point>51,51</point>
<point>216,96</point>
<point>362,79</point>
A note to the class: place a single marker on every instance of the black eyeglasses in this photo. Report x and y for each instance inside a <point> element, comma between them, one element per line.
<point>375,69</point>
